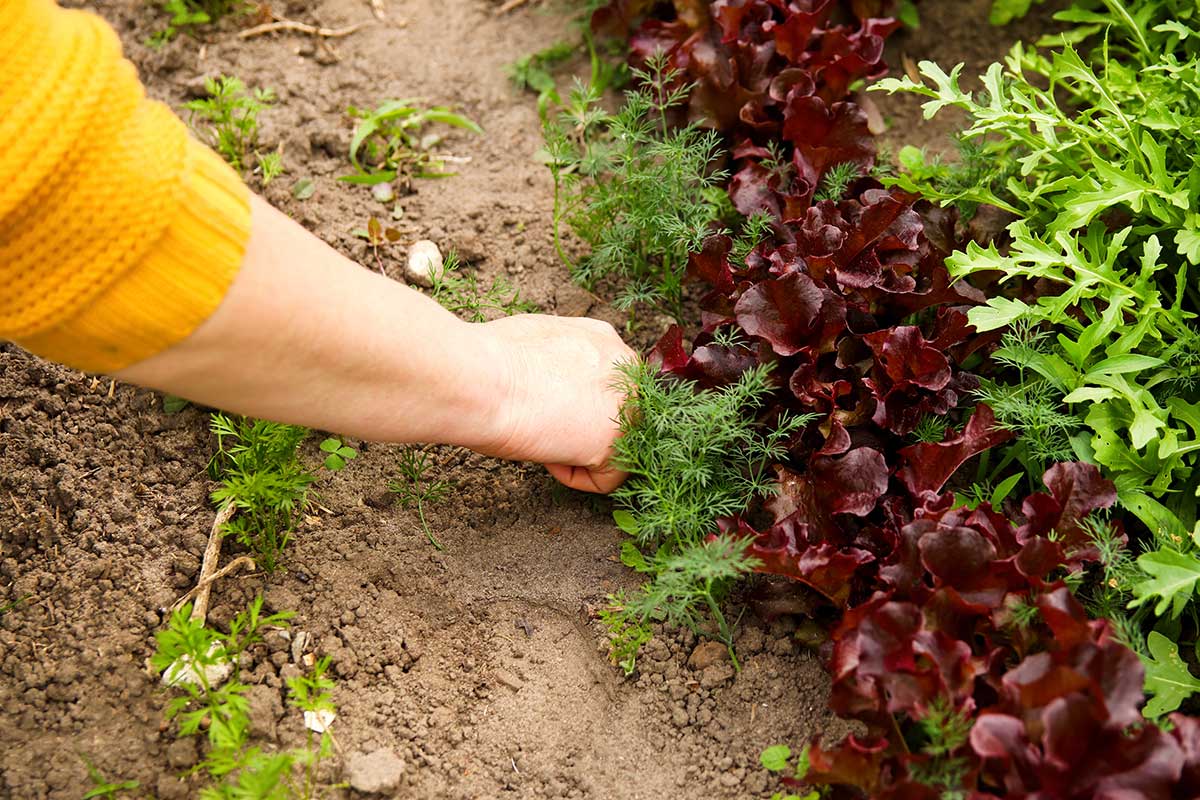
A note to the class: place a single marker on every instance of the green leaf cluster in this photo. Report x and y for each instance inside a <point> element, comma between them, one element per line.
<point>230,118</point>
<point>637,189</point>
<point>259,469</point>
<point>460,292</point>
<point>187,15</point>
<point>694,456</point>
<point>390,140</point>
<point>188,652</point>
<point>1089,144</point>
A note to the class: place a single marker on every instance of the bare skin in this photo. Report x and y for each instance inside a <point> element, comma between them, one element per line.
<point>308,337</point>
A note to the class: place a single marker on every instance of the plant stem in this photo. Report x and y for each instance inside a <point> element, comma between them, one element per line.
<point>425,525</point>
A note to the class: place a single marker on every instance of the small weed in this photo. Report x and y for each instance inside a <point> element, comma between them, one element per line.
<point>377,236</point>
<point>837,181</point>
<point>191,656</point>
<point>337,454</point>
<point>230,113</point>
<point>388,142</point>
<point>461,293</point>
<point>778,759</point>
<point>187,15</point>
<point>101,786</point>
<point>258,466</point>
<point>944,731</point>
<point>534,72</point>
<point>12,605</point>
<point>414,489</point>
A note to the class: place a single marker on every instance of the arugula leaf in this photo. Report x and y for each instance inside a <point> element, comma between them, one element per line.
<point>1173,577</point>
<point>1168,680</point>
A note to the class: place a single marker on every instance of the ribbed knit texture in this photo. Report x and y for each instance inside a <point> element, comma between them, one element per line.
<point>119,234</point>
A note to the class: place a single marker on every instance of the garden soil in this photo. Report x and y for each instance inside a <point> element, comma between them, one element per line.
<point>481,668</point>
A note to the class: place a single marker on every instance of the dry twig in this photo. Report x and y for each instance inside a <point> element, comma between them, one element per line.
<point>281,24</point>
<point>509,5</point>
<point>212,554</point>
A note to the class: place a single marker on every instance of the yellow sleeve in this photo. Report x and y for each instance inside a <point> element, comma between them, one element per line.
<point>119,233</point>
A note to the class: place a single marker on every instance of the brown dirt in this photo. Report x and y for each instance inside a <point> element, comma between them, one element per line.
<point>482,667</point>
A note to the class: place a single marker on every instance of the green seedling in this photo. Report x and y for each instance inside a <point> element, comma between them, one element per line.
<point>12,605</point>
<point>337,454</point>
<point>778,759</point>
<point>415,490</point>
<point>102,788</point>
<point>389,142</point>
<point>460,293</point>
<point>534,72</point>
<point>197,661</point>
<point>229,117</point>
<point>377,236</point>
<point>187,15</point>
<point>837,181</point>
<point>259,469</point>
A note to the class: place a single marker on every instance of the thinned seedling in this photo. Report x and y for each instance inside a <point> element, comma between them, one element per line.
<point>415,490</point>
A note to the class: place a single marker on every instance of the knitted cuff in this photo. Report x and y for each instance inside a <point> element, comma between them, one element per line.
<point>174,288</point>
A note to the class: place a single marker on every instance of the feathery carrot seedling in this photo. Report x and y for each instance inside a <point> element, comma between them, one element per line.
<point>460,292</point>
<point>230,113</point>
<point>258,465</point>
<point>415,490</point>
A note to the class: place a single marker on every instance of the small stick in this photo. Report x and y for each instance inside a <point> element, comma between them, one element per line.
<point>212,553</point>
<point>237,563</point>
<point>509,5</point>
<point>300,27</point>
<point>378,10</point>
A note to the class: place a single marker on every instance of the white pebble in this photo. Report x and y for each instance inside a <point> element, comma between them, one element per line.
<point>424,259</point>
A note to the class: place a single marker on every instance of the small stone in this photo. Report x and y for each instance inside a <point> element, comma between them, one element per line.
<point>169,787</point>
<point>383,192</point>
<point>509,679</point>
<point>708,653</point>
<point>423,259</point>
<point>375,772</point>
<point>299,643</point>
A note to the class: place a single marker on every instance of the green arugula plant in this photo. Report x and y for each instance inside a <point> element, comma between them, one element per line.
<point>459,291</point>
<point>1089,145</point>
<point>194,659</point>
<point>389,142</point>
<point>414,489</point>
<point>230,114</point>
<point>637,189</point>
<point>694,456</point>
<point>260,472</point>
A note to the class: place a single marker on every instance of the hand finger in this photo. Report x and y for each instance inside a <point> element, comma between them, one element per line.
<point>586,480</point>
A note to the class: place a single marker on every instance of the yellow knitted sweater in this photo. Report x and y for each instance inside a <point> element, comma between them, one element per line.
<point>119,233</point>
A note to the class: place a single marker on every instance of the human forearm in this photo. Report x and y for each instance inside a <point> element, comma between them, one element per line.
<point>306,336</point>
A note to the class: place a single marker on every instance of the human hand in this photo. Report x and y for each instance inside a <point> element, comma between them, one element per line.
<point>558,406</point>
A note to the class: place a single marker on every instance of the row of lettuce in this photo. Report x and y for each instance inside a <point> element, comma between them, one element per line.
<point>959,400</point>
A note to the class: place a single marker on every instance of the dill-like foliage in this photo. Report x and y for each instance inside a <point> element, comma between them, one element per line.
<point>694,455</point>
<point>632,186</point>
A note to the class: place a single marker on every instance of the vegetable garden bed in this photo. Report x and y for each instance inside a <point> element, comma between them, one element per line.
<point>822,404</point>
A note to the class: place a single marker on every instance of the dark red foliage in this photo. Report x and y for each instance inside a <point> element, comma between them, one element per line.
<point>768,72</point>
<point>1055,699</point>
<point>944,609</point>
